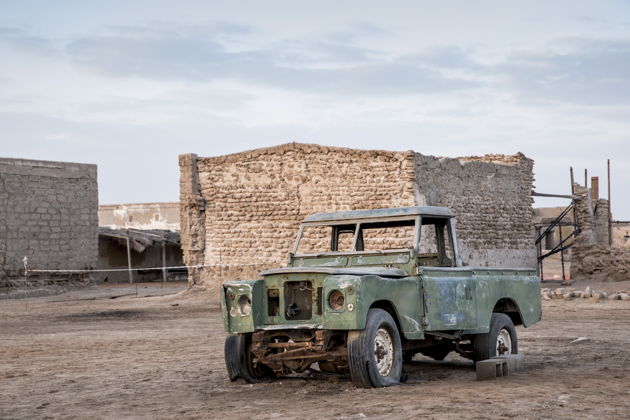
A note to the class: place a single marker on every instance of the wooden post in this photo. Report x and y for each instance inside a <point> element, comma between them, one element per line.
<point>586,178</point>
<point>163,260</point>
<point>129,259</point>
<point>575,221</point>
<point>562,251</point>
<point>609,210</point>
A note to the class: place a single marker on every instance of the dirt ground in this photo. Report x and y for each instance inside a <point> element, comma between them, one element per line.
<point>91,354</point>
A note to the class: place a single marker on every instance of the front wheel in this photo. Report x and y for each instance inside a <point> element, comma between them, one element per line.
<point>499,341</point>
<point>375,353</point>
<point>239,361</point>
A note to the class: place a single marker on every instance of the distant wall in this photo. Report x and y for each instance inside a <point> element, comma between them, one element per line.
<point>140,216</point>
<point>621,234</point>
<point>48,212</point>
<point>242,211</point>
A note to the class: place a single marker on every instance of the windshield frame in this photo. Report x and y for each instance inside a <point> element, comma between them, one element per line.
<point>358,222</point>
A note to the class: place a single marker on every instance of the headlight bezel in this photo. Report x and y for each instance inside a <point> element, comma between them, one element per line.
<point>336,300</point>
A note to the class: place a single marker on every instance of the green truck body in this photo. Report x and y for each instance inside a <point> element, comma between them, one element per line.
<point>324,303</point>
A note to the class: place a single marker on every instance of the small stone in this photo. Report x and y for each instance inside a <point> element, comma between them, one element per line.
<point>588,292</point>
<point>578,294</point>
<point>580,340</point>
<point>545,296</point>
<point>563,400</point>
<point>568,296</point>
<point>624,296</point>
<point>614,296</point>
<point>596,297</point>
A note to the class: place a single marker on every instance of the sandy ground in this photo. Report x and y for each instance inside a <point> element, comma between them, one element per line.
<point>88,355</point>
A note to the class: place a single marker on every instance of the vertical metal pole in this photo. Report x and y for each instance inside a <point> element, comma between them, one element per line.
<point>129,259</point>
<point>540,261</point>
<point>573,200</point>
<point>609,209</point>
<point>562,251</point>
<point>163,260</point>
<point>586,178</point>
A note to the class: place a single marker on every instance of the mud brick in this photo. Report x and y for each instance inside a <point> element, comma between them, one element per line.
<point>515,361</point>
<point>491,369</point>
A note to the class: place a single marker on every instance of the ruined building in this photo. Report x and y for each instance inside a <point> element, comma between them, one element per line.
<point>595,255</point>
<point>143,216</point>
<point>240,212</point>
<point>48,213</point>
<point>151,231</point>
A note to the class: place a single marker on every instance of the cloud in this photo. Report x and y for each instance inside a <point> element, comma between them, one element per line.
<point>315,66</point>
<point>590,72</point>
<point>22,40</point>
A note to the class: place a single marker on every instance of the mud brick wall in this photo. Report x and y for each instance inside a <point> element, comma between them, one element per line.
<point>491,197</point>
<point>591,256</point>
<point>48,212</point>
<point>240,212</point>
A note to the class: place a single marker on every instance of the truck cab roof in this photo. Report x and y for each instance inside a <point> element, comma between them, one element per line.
<point>432,211</point>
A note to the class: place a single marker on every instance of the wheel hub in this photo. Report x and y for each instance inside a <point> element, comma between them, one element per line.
<point>383,352</point>
<point>504,343</point>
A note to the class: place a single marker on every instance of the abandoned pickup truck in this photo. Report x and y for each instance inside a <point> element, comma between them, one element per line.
<point>366,290</point>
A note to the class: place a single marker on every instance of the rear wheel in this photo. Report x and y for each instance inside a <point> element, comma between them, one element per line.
<point>375,353</point>
<point>239,361</point>
<point>499,341</point>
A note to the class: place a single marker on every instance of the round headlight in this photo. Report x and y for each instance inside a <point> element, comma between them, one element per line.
<point>335,300</point>
<point>245,304</point>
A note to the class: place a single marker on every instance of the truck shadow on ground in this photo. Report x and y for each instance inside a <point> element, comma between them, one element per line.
<point>416,371</point>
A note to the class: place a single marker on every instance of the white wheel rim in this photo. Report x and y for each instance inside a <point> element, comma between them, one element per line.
<point>383,352</point>
<point>504,342</point>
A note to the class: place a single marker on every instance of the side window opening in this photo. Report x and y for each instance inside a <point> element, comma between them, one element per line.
<point>435,248</point>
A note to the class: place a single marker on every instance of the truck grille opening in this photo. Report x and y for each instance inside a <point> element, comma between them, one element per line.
<point>273,302</point>
<point>298,300</point>
<point>319,301</point>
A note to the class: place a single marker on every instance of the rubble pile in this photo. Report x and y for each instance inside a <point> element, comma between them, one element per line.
<point>602,263</point>
<point>570,293</point>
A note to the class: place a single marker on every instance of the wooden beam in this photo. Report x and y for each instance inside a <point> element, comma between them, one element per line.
<point>537,194</point>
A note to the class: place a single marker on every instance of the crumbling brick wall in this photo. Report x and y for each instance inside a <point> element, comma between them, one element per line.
<point>48,212</point>
<point>591,256</point>
<point>242,211</point>
<point>491,197</point>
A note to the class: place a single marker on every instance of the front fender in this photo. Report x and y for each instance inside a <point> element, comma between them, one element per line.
<point>362,292</point>
<point>234,321</point>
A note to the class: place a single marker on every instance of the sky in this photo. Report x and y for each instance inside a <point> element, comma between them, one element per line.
<point>130,85</point>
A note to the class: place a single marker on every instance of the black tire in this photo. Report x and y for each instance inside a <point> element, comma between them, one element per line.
<point>436,352</point>
<point>485,345</point>
<point>238,360</point>
<point>362,352</point>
